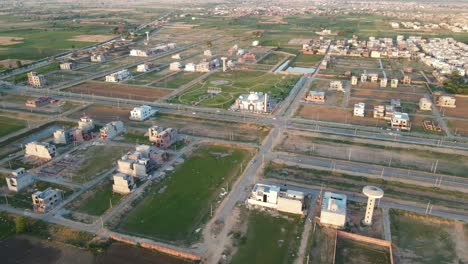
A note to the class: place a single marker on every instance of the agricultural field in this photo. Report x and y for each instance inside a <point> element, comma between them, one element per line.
<point>176,80</point>
<point>278,235</point>
<point>9,125</point>
<point>234,83</point>
<point>427,239</point>
<point>172,210</point>
<point>119,91</point>
<point>352,252</point>
<point>272,59</point>
<point>305,60</point>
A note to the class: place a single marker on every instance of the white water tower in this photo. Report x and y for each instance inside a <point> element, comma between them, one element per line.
<point>224,63</point>
<point>372,193</point>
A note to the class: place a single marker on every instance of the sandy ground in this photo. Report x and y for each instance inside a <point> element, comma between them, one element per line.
<point>91,38</point>
<point>460,111</point>
<point>10,41</point>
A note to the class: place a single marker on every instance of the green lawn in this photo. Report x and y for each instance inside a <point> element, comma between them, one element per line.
<point>7,226</point>
<point>172,210</point>
<point>271,59</point>
<point>305,60</point>
<point>422,240</point>
<point>235,84</point>
<point>97,203</point>
<point>177,80</point>
<point>100,159</point>
<point>350,252</point>
<point>269,239</point>
<point>133,137</point>
<point>10,125</point>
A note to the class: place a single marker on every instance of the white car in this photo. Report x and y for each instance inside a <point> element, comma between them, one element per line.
<point>194,113</point>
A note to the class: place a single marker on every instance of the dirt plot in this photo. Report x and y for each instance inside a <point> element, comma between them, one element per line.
<point>458,126</point>
<point>5,41</point>
<point>91,38</point>
<point>460,111</point>
<point>333,114</point>
<point>385,95</point>
<point>409,89</point>
<point>103,114</point>
<point>119,91</point>
<point>352,252</point>
<point>123,254</point>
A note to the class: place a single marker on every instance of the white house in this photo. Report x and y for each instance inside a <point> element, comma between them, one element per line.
<point>400,121</point>
<point>98,58</point>
<point>18,180</point>
<point>383,82</point>
<point>118,76</point>
<point>138,53</point>
<point>394,83</point>
<point>359,109</point>
<point>354,80</point>
<point>86,124</point>
<point>62,136</point>
<point>41,150</point>
<point>271,196</point>
<point>68,66</point>
<point>425,104</point>
<point>123,183</point>
<point>142,113</point>
<point>190,67</point>
<point>256,102</point>
<point>333,210</point>
<point>175,66</point>
<point>144,67</point>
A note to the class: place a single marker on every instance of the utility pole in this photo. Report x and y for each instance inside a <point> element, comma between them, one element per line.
<point>435,167</point>
<point>427,207</point>
<point>382,174</point>
<point>349,155</point>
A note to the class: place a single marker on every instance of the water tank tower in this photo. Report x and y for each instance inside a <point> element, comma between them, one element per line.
<point>372,193</point>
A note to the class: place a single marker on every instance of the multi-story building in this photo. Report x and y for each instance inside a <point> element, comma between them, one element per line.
<point>271,196</point>
<point>142,113</point>
<point>41,150</point>
<point>86,124</point>
<point>142,161</point>
<point>68,66</point>
<point>118,76</point>
<point>383,82</point>
<point>175,66</point>
<point>144,67</point>
<point>36,80</point>
<point>406,79</point>
<point>446,101</point>
<point>379,111</point>
<point>400,121</point>
<point>18,180</point>
<point>333,210</point>
<point>315,97</point>
<point>256,102</point>
<point>111,130</point>
<point>425,104</point>
<point>354,80</point>
<point>336,85</point>
<point>394,83</point>
<point>359,109</point>
<point>163,138</point>
<point>44,201</point>
<point>123,183</point>
<point>98,58</point>
<point>62,136</point>
<point>139,53</point>
<point>38,102</point>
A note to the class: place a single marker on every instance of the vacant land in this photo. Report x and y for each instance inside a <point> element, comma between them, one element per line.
<point>271,59</point>
<point>426,239</point>
<point>304,60</point>
<point>458,127</point>
<point>91,38</point>
<point>10,125</point>
<point>348,251</point>
<point>173,210</point>
<point>6,41</point>
<point>460,111</point>
<point>119,91</point>
<point>103,114</point>
<point>177,80</point>
<point>234,83</point>
<point>269,239</point>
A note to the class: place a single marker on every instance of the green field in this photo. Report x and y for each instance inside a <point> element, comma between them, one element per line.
<point>271,59</point>
<point>236,83</point>
<point>7,226</point>
<point>177,80</point>
<point>421,239</point>
<point>100,200</point>
<point>10,125</point>
<point>174,209</point>
<point>100,158</point>
<point>350,252</point>
<point>269,239</point>
<point>304,60</point>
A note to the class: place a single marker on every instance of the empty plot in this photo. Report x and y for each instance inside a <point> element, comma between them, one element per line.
<point>119,91</point>
<point>460,111</point>
<point>174,209</point>
<point>177,80</point>
<point>10,125</point>
<point>409,97</point>
<point>352,252</point>
<point>102,113</point>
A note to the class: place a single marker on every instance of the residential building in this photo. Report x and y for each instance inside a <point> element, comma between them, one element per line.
<point>67,66</point>
<point>374,77</point>
<point>36,80</point>
<point>142,161</point>
<point>271,196</point>
<point>379,111</point>
<point>256,102</point>
<point>142,113</point>
<point>139,53</point>
<point>18,180</point>
<point>406,79</point>
<point>38,102</point>
<point>354,80</point>
<point>425,104</point>
<point>400,121</point>
<point>336,85</point>
<point>163,138</point>
<point>144,67</point>
<point>446,101</point>
<point>364,77</point>
<point>175,66</point>
<point>394,83</point>
<point>333,210</point>
<point>315,97</point>
<point>383,82</point>
<point>41,150</point>
<point>123,183</point>
<point>111,130</point>
<point>207,53</point>
<point>44,201</point>
<point>190,67</point>
<point>359,109</point>
<point>86,124</point>
<point>98,58</point>
<point>62,136</point>
<point>118,76</point>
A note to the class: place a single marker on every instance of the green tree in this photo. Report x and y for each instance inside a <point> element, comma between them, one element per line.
<point>18,63</point>
<point>20,224</point>
<point>209,44</point>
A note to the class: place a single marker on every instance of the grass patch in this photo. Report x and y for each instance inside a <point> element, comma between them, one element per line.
<point>10,125</point>
<point>348,252</point>
<point>101,199</point>
<point>133,137</point>
<point>174,210</point>
<point>269,239</point>
<point>7,226</point>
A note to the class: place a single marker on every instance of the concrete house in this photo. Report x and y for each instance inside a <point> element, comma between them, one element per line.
<point>315,97</point>
<point>41,150</point>
<point>175,66</point>
<point>425,104</point>
<point>333,210</point>
<point>163,138</point>
<point>359,109</point>
<point>354,80</point>
<point>271,196</point>
<point>123,183</point>
<point>383,82</point>
<point>98,58</point>
<point>36,80</point>
<point>142,113</point>
<point>86,124</point>
<point>400,121</point>
<point>44,201</point>
<point>62,136</point>
<point>336,85</point>
<point>18,180</point>
<point>446,101</point>
<point>379,111</point>
<point>118,76</point>
<point>394,83</point>
<point>111,130</point>
<point>67,66</point>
